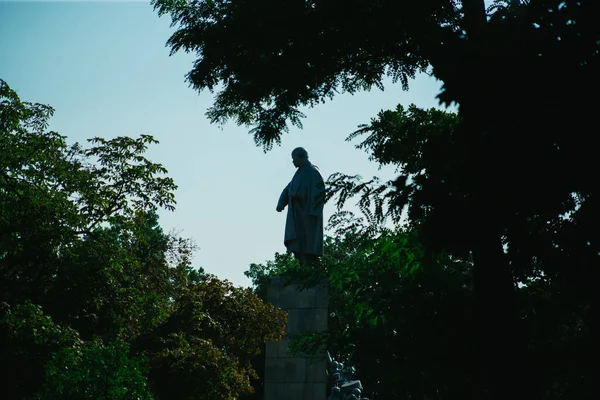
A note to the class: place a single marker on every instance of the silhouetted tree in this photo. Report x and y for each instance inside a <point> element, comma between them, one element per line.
<point>403,316</point>
<point>521,152</point>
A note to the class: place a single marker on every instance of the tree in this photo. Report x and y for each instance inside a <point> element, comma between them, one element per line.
<point>328,45</point>
<point>58,203</point>
<point>203,350</point>
<point>394,311</point>
<point>96,300</point>
<point>538,248</point>
<point>28,337</point>
<point>521,155</point>
<point>94,371</point>
<point>403,316</point>
<point>53,194</point>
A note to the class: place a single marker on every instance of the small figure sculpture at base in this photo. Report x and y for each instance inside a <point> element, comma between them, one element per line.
<point>340,377</point>
<point>335,394</point>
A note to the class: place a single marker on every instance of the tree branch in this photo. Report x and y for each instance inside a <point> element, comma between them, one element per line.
<point>475,17</point>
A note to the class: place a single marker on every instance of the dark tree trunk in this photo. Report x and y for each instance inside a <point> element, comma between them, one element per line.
<point>501,344</point>
<point>502,359</point>
<point>493,294</point>
<point>502,347</point>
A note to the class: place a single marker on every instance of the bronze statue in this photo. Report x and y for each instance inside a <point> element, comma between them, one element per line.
<point>304,197</point>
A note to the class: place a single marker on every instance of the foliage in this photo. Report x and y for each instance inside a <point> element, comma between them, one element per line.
<point>405,319</point>
<point>546,243</point>
<point>507,183</point>
<point>401,318</point>
<point>333,46</point>
<point>27,323</point>
<point>261,274</point>
<point>88,274</point>
<point>283,265</point>
<point>27,338</point>
<point>321,44</point>
<point>94,371</point>
<point>408,140</point>
<point>66,212</point>
<point>204,349</point>
<point>54,193</point>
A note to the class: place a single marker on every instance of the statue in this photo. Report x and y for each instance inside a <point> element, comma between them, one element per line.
<point>335,394</point>
<point>304,197</point>
<point>340,377</point>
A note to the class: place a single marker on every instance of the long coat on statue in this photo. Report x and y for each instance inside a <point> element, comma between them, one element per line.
<point>304,197</point>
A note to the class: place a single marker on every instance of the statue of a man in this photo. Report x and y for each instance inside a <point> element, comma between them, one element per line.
<point>304,196</point>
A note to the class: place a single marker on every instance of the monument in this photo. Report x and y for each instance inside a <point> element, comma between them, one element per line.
<point>304,377</point>
<point>304,197</point>
<point>300,376</point>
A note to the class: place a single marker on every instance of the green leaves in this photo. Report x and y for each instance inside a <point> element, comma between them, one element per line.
<point>28,336</point>
<point>204,348</point>
<point>508,181</point>
<point>69,190</point>
<point>27,323</point>
<point>90,282</point>
<point>394,311</point>
<point>272,58</point>
<point>95,371</point>
<point>128,176</point>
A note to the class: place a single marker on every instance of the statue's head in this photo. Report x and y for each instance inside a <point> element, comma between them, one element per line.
<point>299,155</point>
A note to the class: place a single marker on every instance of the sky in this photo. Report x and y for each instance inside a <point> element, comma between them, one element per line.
<point>104,67</point>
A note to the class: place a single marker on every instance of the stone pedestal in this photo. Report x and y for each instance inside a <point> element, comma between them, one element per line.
<point>298,377</point>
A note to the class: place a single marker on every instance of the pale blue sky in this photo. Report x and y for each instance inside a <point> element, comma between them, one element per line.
<point>105,69</point>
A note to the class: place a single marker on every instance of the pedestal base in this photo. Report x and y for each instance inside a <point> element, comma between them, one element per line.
<point>298,377</point>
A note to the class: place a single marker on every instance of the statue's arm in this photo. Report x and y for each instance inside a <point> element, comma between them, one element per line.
<point>283,199</point>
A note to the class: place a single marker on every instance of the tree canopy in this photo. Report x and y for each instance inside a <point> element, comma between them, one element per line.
<point>96,301</point>
<point>269,58</point>
<point>545,246</point>
<point>507,183</point>
<point>404,317</point>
